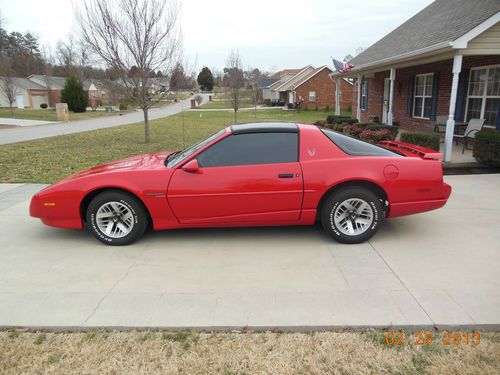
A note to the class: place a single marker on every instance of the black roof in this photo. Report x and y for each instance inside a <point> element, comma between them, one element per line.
<point>265,127</point>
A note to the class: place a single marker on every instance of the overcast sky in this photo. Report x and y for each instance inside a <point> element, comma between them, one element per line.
<point>269,34</point>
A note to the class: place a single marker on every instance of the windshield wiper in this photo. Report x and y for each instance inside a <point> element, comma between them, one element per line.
<point>170,156</point>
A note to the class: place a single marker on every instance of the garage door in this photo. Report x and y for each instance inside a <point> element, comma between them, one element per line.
<point>39,99</point>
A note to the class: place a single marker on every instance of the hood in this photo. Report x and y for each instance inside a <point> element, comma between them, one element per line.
<point>145,161</point>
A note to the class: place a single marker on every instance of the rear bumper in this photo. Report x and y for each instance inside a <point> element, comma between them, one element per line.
<point>409,208</point>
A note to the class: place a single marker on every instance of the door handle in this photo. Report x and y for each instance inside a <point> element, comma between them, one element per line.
<point>285,175</point>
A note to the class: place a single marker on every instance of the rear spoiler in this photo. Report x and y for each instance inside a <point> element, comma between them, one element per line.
<point>412,150</point>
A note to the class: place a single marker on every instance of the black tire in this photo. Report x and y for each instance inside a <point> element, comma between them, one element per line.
<point>137,216</point>
<point>337,199</point>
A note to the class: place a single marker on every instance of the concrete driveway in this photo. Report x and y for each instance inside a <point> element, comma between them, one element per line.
<point>27,133</point>
<point>437,269</point>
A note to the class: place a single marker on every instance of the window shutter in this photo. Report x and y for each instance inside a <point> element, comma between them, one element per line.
<point>461,95</point>
<point>497,123</point>
<point>411,93</point>
<point>366,97</point>
<point>435,95</point>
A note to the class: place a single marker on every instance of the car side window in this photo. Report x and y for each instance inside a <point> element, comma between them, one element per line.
<point>251,148</point>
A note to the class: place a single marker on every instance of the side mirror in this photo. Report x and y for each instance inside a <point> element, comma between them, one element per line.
<point>191,166</point>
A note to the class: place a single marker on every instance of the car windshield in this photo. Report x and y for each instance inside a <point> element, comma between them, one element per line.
<point>357,147</point>
<point>175,158</point>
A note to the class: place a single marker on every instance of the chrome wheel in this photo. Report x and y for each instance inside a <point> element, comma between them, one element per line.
<point>353,216</point>
<point>114,219</point>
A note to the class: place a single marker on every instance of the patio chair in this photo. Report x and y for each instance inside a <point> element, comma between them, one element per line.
<point>474,125</point>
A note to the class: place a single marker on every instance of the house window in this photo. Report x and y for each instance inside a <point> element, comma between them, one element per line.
<point>483,95</point>
<point>312,96</point>
<point>422,101</point>
<point>364,95</point>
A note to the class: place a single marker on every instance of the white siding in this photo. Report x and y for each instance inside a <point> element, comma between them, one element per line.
<point>486,43</point>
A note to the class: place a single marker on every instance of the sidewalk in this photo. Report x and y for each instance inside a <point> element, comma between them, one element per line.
<point>438,269</point>
<point>22,122</point>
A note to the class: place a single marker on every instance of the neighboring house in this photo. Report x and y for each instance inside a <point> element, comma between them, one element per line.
<point>313,86</point>
<point>27,94</point>
<point>440,66</point>
<point>53,85</point>
<point>265,88</point>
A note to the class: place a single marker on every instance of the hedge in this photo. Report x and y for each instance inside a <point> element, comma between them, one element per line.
<point>487,148</point>
<point>429,140</point>
<point>330,119</point>
<point>393,129</point>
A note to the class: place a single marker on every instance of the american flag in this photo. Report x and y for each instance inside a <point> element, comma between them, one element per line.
<point>341,67</point>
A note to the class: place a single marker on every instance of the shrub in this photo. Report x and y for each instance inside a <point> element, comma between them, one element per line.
<point>327,108</point>
<point>290,106</point>
<point>332,119</point>
<point>352,121</point>
<point>123,106</point>
<point>375,136</point>
<point>429,140</point>
<point>393,129</point>
<point>321,123</point>
<point>339,127</point>
<point>487,148</point>
<point>354,130</point>
<point>74,95</point>
<point>316,108</point>
<point>43,106</point>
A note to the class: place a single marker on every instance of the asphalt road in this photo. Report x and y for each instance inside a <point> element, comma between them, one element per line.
<point>437,269</point>
<point>27,133</point>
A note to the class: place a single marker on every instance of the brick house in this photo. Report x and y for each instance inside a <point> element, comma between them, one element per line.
<point>313,85</point>
<point>442,66</point>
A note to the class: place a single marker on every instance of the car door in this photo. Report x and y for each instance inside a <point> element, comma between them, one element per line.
<point>244,178</point>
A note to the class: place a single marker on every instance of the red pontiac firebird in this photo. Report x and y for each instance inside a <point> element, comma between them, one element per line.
<point>260,174</point>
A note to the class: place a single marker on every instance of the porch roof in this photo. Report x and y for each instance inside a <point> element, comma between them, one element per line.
<point>435,28</point>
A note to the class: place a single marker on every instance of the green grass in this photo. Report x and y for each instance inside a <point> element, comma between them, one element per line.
<point>49,114</point>
<point>51,159</point>
<point>226,104</point>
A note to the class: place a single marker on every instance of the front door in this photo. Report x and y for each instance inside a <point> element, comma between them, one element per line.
<point>244,178</point>
<point>385,105</point>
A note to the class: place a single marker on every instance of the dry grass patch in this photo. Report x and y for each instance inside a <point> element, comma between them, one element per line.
<point>235,353</point>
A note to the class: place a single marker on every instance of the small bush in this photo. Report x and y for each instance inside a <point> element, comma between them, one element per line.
<point>327,108</point>
<point>290,106</point>
<point>487,148</point>
<point>352,121</point>
<point>123,106</point>
<point>429,140</point>
<point>316,108</point>
<point>392,129</point>
<point>321,123</point>
<point>43,106</point>
<point>354,130</point>
<point>375,136</point>
<point>332,119</point>
<point>339,127</point>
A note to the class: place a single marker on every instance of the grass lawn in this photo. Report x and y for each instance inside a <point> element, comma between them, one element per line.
<point>48,160</point>
<point>49,114</point>
<point>224,104</point>
<point>102,352</point>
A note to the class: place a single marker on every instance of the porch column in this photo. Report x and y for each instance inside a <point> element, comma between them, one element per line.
<point>392,77</point>
<point>337,97</point>
<point>450,124</point>
<point>358,111</point>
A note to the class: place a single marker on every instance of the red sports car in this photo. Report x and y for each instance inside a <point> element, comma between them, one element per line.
<point>261,174</point>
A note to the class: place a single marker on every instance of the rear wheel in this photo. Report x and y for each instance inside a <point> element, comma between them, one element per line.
<point>116,218</point>
<point>352,215</point>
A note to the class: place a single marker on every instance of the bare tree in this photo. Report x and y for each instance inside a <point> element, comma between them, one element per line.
<point>235,80</point>
<point>8,87</point>
<point>133,37</point>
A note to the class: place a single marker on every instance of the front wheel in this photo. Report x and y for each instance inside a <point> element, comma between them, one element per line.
<point>116,218</point>
<point>352,215</point>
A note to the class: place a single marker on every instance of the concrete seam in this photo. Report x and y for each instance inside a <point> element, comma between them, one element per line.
<point>403,284</point>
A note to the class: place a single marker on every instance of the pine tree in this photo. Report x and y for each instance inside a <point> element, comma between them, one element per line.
<point>74,95</point>
<point>206,79</point>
